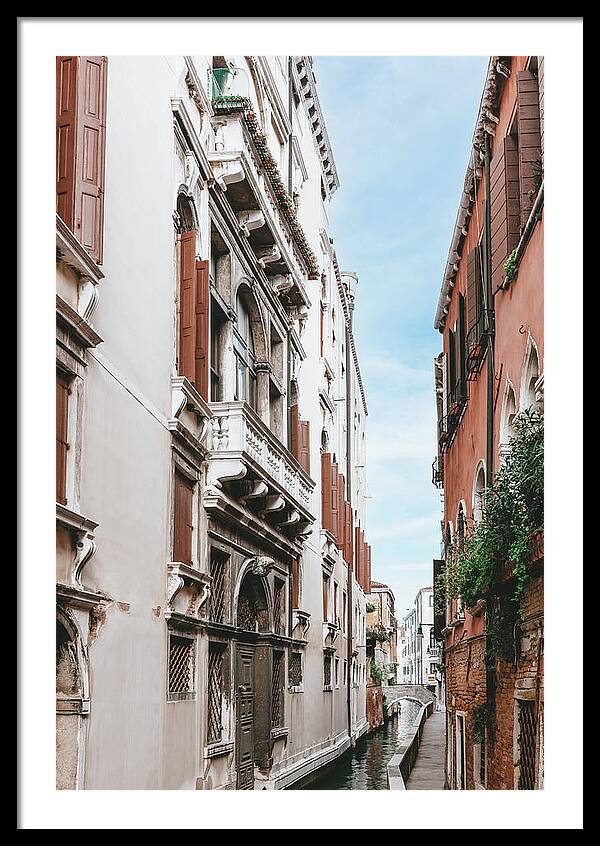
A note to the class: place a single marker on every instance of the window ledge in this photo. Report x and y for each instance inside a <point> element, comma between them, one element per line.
<point>327,687</point>
<point>215,750</point>
<point>296,688</point>
<point>74,255</point>
<point>278,733</point>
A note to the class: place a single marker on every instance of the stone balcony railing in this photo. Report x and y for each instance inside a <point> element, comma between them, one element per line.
<point>243,449</point>
<point>236,168</point>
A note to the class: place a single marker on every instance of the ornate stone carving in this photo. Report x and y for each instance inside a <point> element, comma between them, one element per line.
<point>260,565</point>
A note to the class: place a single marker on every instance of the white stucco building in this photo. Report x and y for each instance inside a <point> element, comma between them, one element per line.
<point>211,558</point>
<point>419,651</point>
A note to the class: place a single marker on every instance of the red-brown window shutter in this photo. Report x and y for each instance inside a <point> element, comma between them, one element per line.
<point>66,107</point>
<point>341,531</point>
<point>462,346</point>
<point>294,434</point>
<point>335,500</point>
<point>304,445</point>
<point>89,156</point>
<point>368,579</point>
<point>530,141</point>
<point>187,305</point>
<point>62,441</point>
<point>202,339</point>
<point>325,490</point>
<point>357,554</point>
<point>183,520</point>
<point>295,583</point>
<point>348,533</point>
<point>505,213</point>
<point>474,295</point>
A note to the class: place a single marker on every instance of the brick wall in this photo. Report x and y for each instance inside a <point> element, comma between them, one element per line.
<point>466,690</point>
<point>374,706</point>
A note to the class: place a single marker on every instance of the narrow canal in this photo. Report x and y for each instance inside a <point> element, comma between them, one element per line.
<point>365,767</point>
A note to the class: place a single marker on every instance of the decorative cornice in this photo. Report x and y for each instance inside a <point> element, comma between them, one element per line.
<point>70,251</point>
<point>184,123</point>
<point>307,89</point>
<point>348,320</point>
<point>485,124</point>
<point>76,325</point>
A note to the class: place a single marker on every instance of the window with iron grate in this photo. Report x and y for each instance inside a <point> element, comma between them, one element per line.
<point>277,693</point>
<point>181,667</point>
<point>215,692</point>
<point>219,563</point>
<point>295,674</point>
<point>527,738</point>
<point>326,670</point>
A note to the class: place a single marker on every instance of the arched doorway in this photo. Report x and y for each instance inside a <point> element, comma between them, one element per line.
<point>252,617</point>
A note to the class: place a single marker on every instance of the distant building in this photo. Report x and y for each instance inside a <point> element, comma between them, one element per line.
<point>382,630</point>
<point>420,651</point>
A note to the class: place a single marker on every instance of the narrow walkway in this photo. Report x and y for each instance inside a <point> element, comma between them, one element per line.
<point>428,771</point>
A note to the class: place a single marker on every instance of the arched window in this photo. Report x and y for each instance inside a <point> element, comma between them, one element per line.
<point>531,374</point>
<point>252,610</point>
<point>479,494</point>
<point>509,410</point>
<point>243,347</point>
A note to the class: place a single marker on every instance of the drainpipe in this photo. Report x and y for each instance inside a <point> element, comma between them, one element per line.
<point>349,482</point>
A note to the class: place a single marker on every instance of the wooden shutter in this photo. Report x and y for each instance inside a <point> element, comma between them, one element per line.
<point>202,339</point>
<point>474,294</point>
<point>368,583</point>
<point>187,305</point>
<point>304,445</point>
<point>295,583</point>
<point>66,119</point>
<point>294,434</point>
<point>505,212</point>
<point>335,500</point>
<point>341,530</point>
<point>325,490</point>
<point>183,520</point>
<point>530,142</point>
<point>451,367</point>
<point>357,554</point>
<point>462,347</point>
<point>89,156</point>
<point>62,441</point>
<point>348,533</point>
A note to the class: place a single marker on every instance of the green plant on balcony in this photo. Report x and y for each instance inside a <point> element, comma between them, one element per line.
<point>371,607</point>
<point>377,673</point>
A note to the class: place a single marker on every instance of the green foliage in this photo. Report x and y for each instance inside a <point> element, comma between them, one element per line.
<point>377,633</point>
<point>511,266</point>
<point>371,607</point>
<point>377,672</point>
<point>513,513</point>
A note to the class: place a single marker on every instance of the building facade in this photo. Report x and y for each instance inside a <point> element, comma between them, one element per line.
<point>490,315</point>
<point>421,652</point>
<point>382,630</point>
<point>211,557</point>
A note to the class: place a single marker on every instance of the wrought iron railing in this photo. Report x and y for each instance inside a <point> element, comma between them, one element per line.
<point>437,471</point>
<point>476,347</point>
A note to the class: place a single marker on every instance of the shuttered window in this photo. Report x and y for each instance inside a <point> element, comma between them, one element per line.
<point>451,368</point>
<point>80,146</point>
<point>325,598</point>
<point>335,500</point>
<point>341,530</point>
<point>474,297</point>
<point>530,144</point>
<point>62,438</point>
<point>304,445</point>
<point>326,491</point>
<point>183,520</point>
<point>202,339</point>
<point>187,305</point>
<point>348,533</point>
<point>462,349</point>
<point>505,208</point>
<point>295,583</point>
<point>294,433</point>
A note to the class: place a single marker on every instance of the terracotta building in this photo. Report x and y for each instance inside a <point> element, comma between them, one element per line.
<point>210,517</point>
<point>490,315</point>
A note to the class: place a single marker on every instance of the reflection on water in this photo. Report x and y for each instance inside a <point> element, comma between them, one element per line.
<point>365,767</point>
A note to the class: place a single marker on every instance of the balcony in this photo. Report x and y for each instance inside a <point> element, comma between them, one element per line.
<point>476,343</point>
<point>437,471</point>
<point>251,466</point>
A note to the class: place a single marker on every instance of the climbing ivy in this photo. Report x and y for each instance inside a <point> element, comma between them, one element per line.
<point>503,541</point>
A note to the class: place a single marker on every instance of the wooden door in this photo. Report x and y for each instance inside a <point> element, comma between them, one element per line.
<point>245,717</point>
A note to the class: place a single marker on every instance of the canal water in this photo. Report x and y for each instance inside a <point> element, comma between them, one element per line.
<point>365,766</point>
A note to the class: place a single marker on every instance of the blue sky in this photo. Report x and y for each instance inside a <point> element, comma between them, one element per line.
<point>401,129</point>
